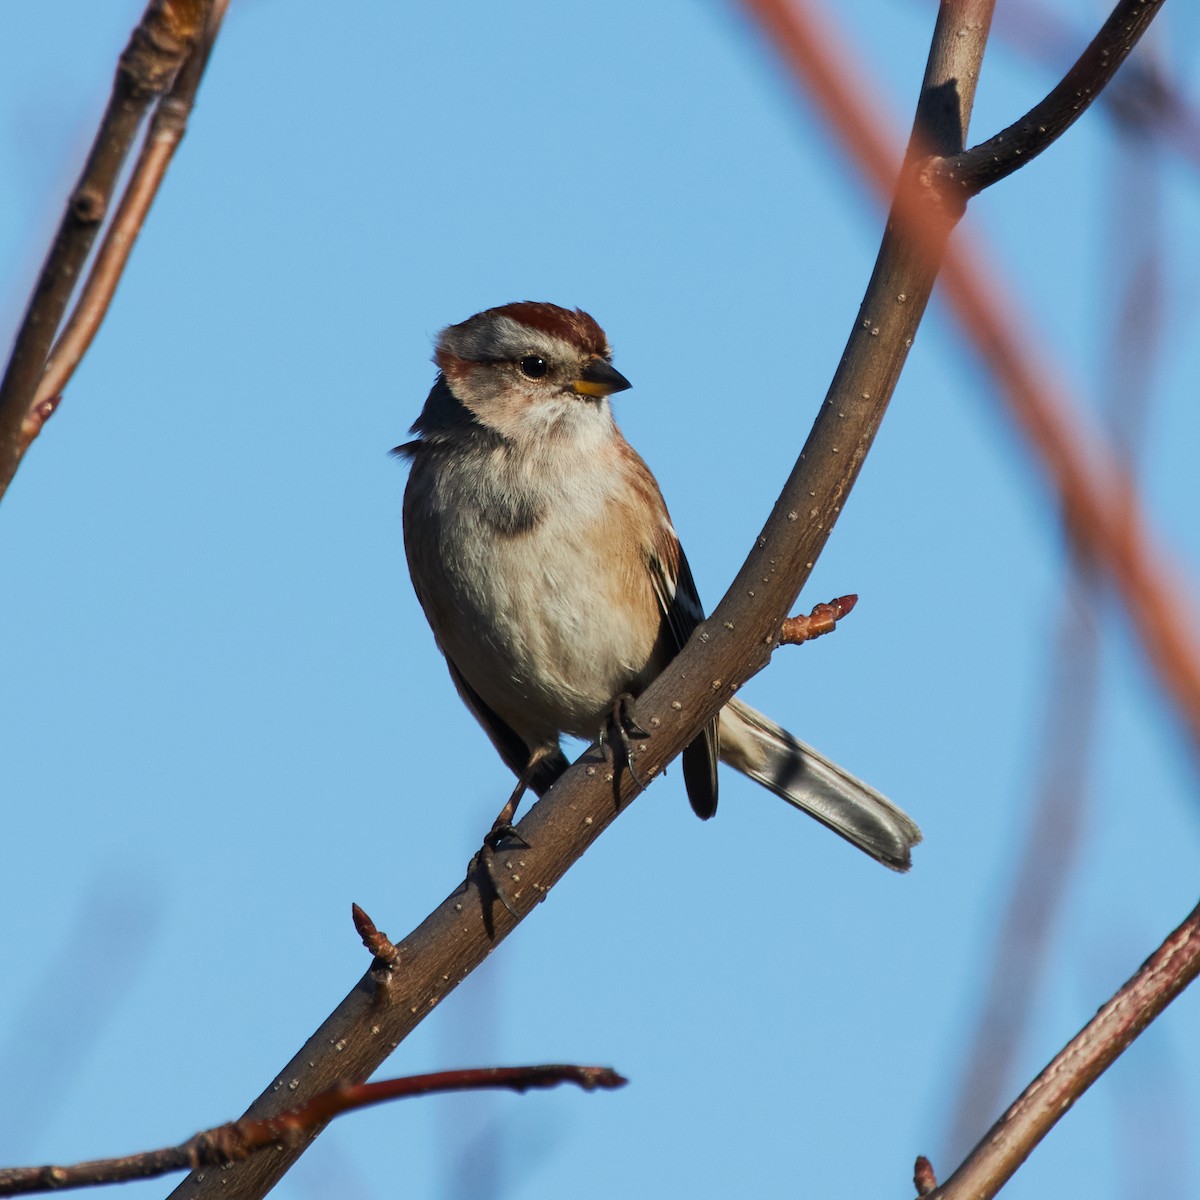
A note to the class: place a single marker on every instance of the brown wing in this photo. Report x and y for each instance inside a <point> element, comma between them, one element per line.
<point>509,745</point>
<point>676,592</point>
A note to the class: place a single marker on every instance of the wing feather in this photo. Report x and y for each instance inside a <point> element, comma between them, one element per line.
<point>680,602</point>
<point>509,744</point>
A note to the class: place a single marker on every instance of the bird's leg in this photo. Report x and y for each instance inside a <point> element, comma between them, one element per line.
<point>502,827</point>
<point>623,728</point>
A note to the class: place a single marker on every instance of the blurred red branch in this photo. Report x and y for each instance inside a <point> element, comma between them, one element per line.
<point>237,1140</point>
<point>1098,497</point>
<point>1101,513</point>
<point>1135,252</point>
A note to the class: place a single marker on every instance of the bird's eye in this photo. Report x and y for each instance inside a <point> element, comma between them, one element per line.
<point>533,366</point>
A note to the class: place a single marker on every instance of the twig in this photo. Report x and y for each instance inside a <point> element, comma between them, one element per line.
<point>998,157</point>
<point>157,48</point>
<point>166,131</point>
<point>822,620</point>
<point>1010,1141</point>
<point>238,1140</point>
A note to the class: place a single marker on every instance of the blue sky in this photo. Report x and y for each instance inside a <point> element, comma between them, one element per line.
<point>223,719</point>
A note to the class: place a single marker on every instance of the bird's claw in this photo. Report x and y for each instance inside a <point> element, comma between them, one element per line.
<point>624,728</point>
<point>483,869</point>
<point>504,831</point>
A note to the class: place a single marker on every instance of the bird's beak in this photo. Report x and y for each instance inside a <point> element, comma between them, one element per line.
<point>600,378</point>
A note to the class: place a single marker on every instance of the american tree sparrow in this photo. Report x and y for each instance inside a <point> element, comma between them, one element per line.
<point>542,553</point>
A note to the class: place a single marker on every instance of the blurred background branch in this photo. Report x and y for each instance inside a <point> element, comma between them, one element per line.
<point>1063,778</point>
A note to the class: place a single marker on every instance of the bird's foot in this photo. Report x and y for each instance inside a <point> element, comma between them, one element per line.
<point>483,866</point>
<point>623,729</point>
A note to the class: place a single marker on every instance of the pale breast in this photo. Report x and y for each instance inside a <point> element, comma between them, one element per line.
<point>536,585</point>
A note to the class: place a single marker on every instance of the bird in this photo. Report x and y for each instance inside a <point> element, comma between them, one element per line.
<point>543,556</point>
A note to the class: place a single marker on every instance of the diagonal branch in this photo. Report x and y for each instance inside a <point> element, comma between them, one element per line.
<point>1081,1062</point>
<point>1147,97</point>
<point>723,653</point>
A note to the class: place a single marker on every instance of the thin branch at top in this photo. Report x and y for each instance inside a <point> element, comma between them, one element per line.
<point>1010,149</point>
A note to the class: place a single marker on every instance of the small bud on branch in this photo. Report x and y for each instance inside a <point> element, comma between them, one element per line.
<point>823,619</point>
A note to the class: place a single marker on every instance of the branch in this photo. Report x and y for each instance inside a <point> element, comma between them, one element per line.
<point>728,649</point>
<point>238,1140</point>
<point>1039,1108</point>
<point>1093,488</point>
<point>1146,99</point>
<point>158,47</point>
<point>723,653</point>
<point>998,157</point>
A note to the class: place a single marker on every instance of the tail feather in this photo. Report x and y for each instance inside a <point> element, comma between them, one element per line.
<point>756,746</point>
